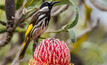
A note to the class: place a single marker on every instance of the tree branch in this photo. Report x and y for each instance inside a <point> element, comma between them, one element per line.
<point>3,23</point>
<point>8,57</point>
<point>18,29</point>
<point>24,17</point>
<point>99,5</point>
<point>63,8</point>
<point>10,14</point>
<point>91,28</point>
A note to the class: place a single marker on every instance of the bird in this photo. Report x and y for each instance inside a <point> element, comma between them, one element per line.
<point>38,25</point>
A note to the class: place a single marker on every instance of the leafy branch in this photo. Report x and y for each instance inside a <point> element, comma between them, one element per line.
<point>70,25</point>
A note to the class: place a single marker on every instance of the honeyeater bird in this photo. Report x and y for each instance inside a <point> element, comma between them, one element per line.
<point>38,25</point>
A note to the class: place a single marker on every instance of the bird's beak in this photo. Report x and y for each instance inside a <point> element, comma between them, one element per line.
<point>54,2</point>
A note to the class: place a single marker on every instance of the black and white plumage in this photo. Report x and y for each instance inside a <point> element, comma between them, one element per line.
<point>41,20</point>
<point>38,25</point>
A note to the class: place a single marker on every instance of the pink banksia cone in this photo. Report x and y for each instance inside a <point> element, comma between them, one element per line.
<point>51,52</point>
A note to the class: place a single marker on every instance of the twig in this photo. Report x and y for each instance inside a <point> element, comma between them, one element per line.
<point>67,19</point>
<point>17,56</point>
<point>3,23</point>
<point>86,31</point>
<point>21,39</point>
<point>91,28</point>
<point>9,55</point>
<point>10,14</point>
<point>6,60</point>
<point>12,21</point>
<point>18,29</point>
<point>15,60</point>
<point>19,12</point>
<point>23,18</point>
<point>54,9</point>
<point>99,5</point>
<point>63,8</point>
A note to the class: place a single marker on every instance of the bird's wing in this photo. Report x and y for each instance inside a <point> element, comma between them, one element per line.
<point>33,21</point>
<point>28,30</point>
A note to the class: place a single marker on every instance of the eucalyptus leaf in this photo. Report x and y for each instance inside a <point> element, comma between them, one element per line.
<point>2,7</point>
<point>19,3</point>
<point>71,24</point>
<point>72,35</point>
<point>2,16</point>
<point>93,54</point>
<point>75,21</point>
<point>63,2</point>
<point>31,4</point>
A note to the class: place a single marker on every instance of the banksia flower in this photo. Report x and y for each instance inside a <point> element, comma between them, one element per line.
<point>51,52</point>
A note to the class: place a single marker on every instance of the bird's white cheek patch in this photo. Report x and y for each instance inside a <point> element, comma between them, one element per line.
<point>44,9</point>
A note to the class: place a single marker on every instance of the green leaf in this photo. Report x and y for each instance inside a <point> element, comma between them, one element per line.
<point>2,16</point>
<point>2,2</point>
<point>93,54</point>
<point>2,7</point>
<point>71,24</point>
<point>4,50</point>
<point>80,40</point>
<point>65,2</point>
<point>75,21</point>
<point>72,35</point>
<point>88,11</point>
<point>61,2</point>
<point>19,3</point>
<point>2,29</point>
<point>30,4</point>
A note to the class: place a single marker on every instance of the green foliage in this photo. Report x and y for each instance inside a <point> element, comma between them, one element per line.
<point>18,29</point>
<point>93,55</point>
<point>2,7</point>
<point>19,3</point>
<point>4,50</point>
<point>73,23</point>
<point>32,4</point>
<point>2,4</point>
<point>62,2</point>
<point>2,29</point>
<point>2,16</point>
<point>67,27</point>
<point>29,51</point>
<point>72,35</point>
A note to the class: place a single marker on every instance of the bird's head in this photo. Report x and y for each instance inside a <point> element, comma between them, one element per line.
<point>47,6</point>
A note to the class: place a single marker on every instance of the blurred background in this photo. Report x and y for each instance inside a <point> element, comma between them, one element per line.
<point>89,44</point>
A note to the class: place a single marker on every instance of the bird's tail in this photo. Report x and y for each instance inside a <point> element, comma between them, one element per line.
<point>23,49</point>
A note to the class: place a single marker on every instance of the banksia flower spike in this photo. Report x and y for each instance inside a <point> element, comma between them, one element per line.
<point>51,52</point>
